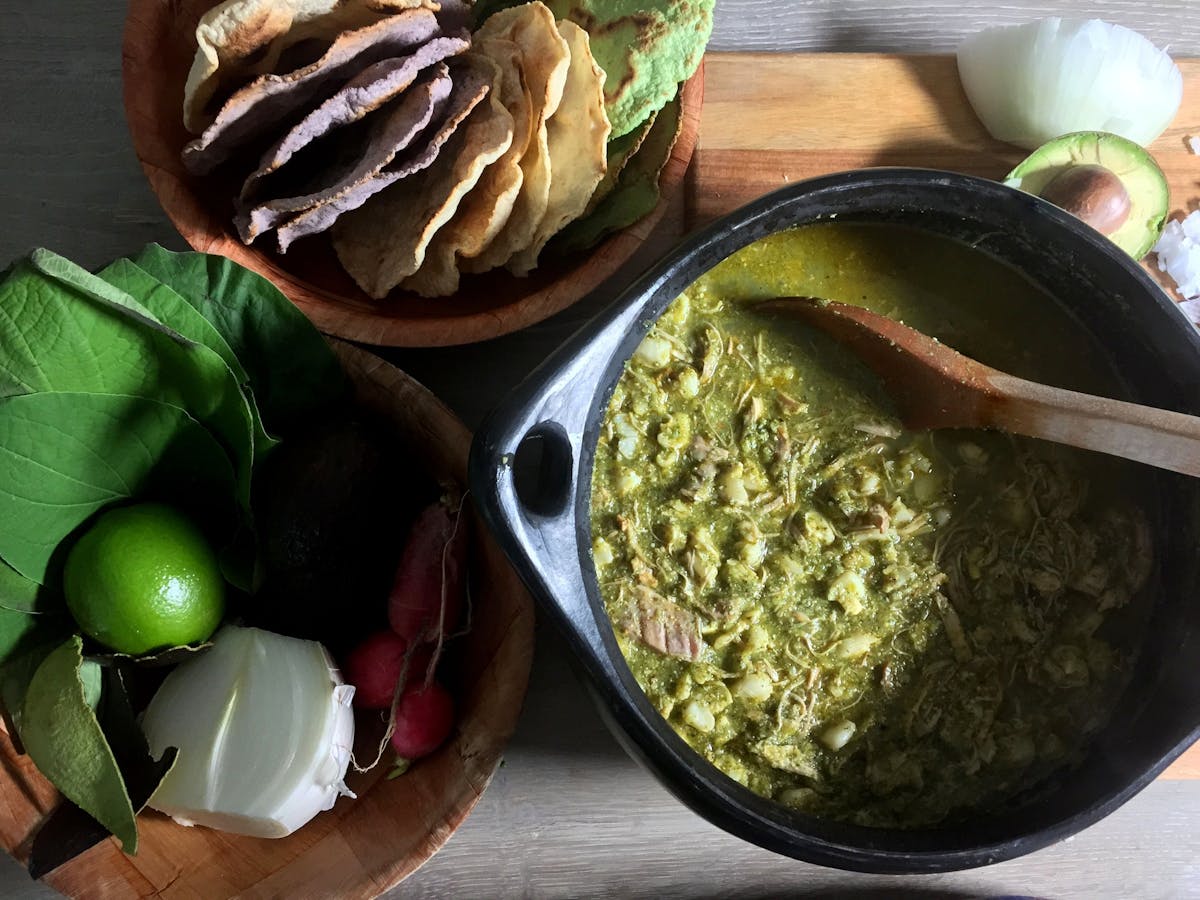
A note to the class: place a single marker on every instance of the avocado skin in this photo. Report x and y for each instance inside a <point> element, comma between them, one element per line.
<point>1144,181</point>
<point>332,508</point>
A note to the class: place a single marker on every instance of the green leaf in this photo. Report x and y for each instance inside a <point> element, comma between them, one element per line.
<point>15,676</point>
<point>65,456</point>
<point>21,630</point>
<point>292,371</point>
<point>71,274</point>
<point>70,831</point>
<point>71,331</point>
<point>167,306</point>
<point>63,737</point>
<point>90,675</point>
<point>25,639</point>
<point>15,627</point>
<point>142,773</point>
<point>20,594</point>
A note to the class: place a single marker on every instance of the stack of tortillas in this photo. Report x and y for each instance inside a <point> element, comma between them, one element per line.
<point>422,150</point>
<point>494,201</point>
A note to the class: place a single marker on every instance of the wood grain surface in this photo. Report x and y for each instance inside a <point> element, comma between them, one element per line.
<point>934,26</point>
<point>794,119</point>
<point>568,814</point>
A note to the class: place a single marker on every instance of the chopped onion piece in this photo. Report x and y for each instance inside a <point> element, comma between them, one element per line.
<point>264,729</point>
<point>1178,253</point>
<point>1034,82</point>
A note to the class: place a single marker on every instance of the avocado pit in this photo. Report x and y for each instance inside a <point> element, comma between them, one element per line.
<point>1107,181</point>
<point>1092,194</point>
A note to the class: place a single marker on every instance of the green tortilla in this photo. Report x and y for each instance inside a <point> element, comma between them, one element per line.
<point>619,152</point>
<point>645,47</point>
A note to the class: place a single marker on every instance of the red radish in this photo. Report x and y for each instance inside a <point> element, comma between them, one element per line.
<point>375,666</point>
<point>424,719</point>
<point>427,593</point>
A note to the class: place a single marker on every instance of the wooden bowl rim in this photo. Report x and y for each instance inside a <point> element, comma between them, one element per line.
<point>206,232</point>
<point>465,765</point>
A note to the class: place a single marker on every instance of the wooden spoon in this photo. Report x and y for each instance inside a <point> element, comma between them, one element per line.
<point>936,387</point>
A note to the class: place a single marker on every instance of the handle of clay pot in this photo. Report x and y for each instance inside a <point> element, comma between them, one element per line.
<point>539,523</point>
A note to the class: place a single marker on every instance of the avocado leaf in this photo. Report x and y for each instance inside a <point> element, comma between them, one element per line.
<point>173,310</point>
<point>70,830</point>
<point>62,735</point>
<point>36,636</point>
<point>65,456</point>
<point>21,631</point>
<point>292,371</point>
<point>20,594</point>
<point>164,302</point>
<point>64,329</point>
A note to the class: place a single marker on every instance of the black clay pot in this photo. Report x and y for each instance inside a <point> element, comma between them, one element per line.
<point>547,534</point>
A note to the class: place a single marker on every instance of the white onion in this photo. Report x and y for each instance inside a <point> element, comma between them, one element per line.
<point>1178,252</point>
<point>264,729</point>
<point>1034,82</point>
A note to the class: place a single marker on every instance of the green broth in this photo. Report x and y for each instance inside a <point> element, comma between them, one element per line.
<point>868,624</point>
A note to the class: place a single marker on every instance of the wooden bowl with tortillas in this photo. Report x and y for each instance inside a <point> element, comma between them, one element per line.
<point>419,173</point>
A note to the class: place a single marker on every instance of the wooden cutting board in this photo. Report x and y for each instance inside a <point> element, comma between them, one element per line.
<point>771,119</point>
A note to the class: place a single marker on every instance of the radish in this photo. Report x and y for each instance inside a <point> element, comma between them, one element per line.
<point>424,608</point>
<point>424,719</point>
<point>427,593</point>
<point>376,665</point>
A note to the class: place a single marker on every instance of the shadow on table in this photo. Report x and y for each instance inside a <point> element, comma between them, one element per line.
<point>559,717</point>
<point>958,142</point>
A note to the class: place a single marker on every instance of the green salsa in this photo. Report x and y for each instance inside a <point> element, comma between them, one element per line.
<point>885,627</point>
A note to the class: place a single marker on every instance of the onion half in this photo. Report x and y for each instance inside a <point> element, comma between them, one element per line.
<point>264,729</point>
<point>1034,82</point>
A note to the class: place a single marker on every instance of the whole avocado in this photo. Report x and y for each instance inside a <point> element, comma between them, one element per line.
<point>331,508</point>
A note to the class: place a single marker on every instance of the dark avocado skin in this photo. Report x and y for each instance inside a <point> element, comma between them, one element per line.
<point>331,508</point>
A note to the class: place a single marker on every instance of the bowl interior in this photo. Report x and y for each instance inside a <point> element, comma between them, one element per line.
<point>159,44</point>
<point>361,847</point>
<point>1157,356</point>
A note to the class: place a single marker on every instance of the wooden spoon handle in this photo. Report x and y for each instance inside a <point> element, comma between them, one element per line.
<point>1157,437</point>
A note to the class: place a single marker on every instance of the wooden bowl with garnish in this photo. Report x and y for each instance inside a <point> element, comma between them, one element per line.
<point>361,847</point>
<point>159,44</point>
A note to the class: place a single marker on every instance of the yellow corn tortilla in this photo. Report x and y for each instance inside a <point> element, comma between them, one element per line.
<point>576,136</point>
<point>485,210</point>
<point>544,62</point>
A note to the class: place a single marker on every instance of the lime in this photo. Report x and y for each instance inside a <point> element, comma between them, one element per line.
<point>143,578</point>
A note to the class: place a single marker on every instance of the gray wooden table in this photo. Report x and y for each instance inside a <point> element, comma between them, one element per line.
<point>568,814</point>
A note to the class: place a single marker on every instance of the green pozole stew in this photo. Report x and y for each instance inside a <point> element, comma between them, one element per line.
<point>880,626</point>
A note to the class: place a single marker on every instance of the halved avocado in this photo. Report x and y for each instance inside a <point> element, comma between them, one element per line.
<point>1104,179</point>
